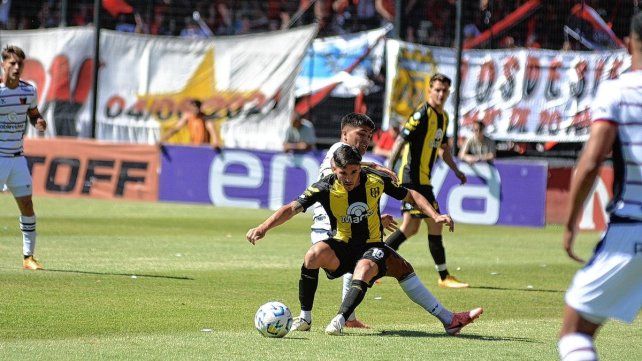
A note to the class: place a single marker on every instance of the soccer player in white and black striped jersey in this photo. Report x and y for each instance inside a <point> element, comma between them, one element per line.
<point>18,103</point>
<point>610,284</point>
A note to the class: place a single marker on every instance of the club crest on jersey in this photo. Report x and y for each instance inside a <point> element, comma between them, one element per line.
<point>12,116</point>
<point>23,101</point>
<point>356,213</point>
<point>374,192</point>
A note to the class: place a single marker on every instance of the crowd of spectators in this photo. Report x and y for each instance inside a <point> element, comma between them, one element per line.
<point>429,22</point>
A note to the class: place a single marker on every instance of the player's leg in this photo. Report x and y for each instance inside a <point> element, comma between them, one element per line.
<point>576,336</point>
<point>320,232</point>
<point>402,270</point>
<point>438,253</point>
<point>409,227</point>
<point>609,286</point>
<point>364,272</point>
<point>19,183</point>
<point>320,255</point>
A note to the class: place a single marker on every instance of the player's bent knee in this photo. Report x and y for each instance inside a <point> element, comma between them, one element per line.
<point>318,256</point>
<point>365,270</point>
<point>399,268</point>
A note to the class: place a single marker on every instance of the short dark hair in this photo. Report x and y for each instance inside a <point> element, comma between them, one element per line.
<point>346,155</point>
<point>357,120</point>
<point>12,49</point>
<point>636,25</point>
<point>440,77</point>
<point>480,124</point>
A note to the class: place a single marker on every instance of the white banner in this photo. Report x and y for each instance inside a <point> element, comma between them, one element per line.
<point>522,95</point>
<point>348,60</point>
<point>246,83</point>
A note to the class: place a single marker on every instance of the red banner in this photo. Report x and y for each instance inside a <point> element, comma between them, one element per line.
<point>594,216</point>
<point>86,168</point>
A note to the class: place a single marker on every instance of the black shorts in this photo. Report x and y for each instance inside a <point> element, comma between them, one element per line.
<point>349,255</point>
<point>425,191</point>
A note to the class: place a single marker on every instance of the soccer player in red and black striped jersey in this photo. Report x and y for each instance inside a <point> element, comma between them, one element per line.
<point>422,139</point>
<point>18,104</point>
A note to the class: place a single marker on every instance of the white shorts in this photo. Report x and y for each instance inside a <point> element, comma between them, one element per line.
<point>610,285</point>
<point>14,173</point>
<point>318,235</point>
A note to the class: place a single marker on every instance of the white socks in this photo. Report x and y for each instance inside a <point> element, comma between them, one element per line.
<point>347,280</point>
<point>419,294</point>
<point>28,228</point>
<point>577,347</point>
<point>306,315</point>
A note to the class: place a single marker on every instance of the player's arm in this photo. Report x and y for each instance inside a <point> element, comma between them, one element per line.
<point>36,119</point>
<point>447,156</point>
<point>426,208</point>
<point>382,169</point>
<point>400,142</point>
<point>598,146</point>
<point>279,217</point>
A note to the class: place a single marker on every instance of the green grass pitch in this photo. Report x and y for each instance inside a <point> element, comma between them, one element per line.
<point>194,270</point>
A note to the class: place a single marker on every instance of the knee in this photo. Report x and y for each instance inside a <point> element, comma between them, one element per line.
<point>311,260</point>
<point>365,271</point>
<point>410,230</point>
<point>400,270</point>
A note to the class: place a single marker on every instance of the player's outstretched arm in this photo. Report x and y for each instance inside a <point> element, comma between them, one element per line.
<point>426,208</point>
<point>279,217</point>
<point>597,147</point>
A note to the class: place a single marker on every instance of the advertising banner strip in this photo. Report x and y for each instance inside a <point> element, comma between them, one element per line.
<point>520,94</point>
<point>85,168</point>
<point>245,83</point>
<point>508,193</point>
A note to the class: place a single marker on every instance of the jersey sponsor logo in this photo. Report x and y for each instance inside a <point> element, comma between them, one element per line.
<point>374,192</point>
<point>356,213</point>
<point>12,116</point>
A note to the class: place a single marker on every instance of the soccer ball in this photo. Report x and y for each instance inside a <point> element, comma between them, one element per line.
<point>273,319</point>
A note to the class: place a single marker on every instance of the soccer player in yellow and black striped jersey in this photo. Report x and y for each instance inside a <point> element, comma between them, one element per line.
<point>421,140</point>
<point>350,196</point>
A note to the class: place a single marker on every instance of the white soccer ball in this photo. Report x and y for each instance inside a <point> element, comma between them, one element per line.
<point>273,319</point>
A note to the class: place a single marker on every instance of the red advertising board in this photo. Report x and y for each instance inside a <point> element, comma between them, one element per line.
<point>87,168</point>
<point>557,198</point>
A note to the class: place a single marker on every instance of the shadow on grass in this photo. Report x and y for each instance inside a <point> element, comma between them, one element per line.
<point>411,333</point>
<point>515,289</point>
<point>119,274</point>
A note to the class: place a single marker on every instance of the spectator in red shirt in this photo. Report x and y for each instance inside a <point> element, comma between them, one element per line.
<point>384,140</point>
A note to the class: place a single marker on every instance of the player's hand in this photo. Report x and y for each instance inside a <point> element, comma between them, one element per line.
<point>387,171</point>
<point>569,239</point>
<point>255,234</point>
<point>41,125</point>
<point>461,176</point>
<point>445,219</point>
<point>388,222</point>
